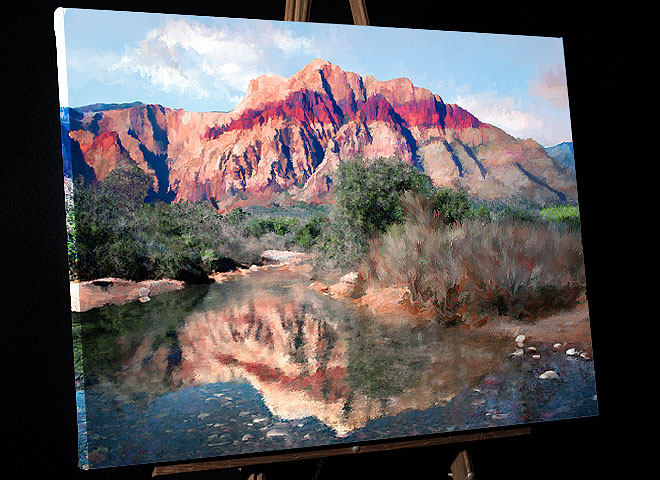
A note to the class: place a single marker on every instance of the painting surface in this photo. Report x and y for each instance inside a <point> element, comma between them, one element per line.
<point>287,235</point>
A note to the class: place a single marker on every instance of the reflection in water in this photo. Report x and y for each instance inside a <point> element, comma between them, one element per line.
<point>335,364</point>
<point>133,348</point>
<point>234,367</point>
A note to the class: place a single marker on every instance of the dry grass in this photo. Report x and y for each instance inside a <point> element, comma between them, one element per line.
<point>470,271</point>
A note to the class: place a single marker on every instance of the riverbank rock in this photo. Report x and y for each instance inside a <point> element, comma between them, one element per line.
<point>549,375</point>
<point>284,256</point>
<point>348,286</point>
<point>385,300</point>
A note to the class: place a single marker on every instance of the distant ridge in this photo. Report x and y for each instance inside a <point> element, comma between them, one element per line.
<point>103,107</point>
<point>563,153</point>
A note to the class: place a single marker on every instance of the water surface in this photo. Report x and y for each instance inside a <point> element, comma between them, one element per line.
<point>262,362</point>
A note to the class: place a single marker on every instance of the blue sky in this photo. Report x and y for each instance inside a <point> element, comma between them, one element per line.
<point>517,83</point>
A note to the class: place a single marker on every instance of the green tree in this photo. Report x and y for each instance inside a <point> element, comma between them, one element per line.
<point>128,185</point>
<point>453,204</point>
<point>368,192</point>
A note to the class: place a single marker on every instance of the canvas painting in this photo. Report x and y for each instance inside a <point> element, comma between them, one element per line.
<point>280,241</point>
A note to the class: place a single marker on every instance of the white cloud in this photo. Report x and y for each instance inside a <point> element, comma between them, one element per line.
<point>548,126</point>
<point>551,85</point>
<point>288,43</point>
<point>502,112</point>
<point>189,58</point>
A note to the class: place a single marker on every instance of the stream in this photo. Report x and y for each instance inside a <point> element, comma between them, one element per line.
<point>261,362</point>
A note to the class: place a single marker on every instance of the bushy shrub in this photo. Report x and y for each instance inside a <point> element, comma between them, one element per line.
<point>307,234</point>
<point>475,269</point>
<point>236,216</point>
<point>453,204</point>
<point>368,191</point>
<point>341,243</point>
<point>117,234</point>
<point>482,213</point>
<point>278,225</point>
<point>568,215</point>
<point>517,214</point>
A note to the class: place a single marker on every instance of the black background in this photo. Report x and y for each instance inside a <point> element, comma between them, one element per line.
<point>39,420</point>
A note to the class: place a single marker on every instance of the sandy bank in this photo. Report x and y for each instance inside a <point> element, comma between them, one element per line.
<point>565,329</point>
<point>570,328</point>
<point>116,291</point>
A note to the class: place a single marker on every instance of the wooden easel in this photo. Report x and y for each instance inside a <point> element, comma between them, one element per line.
<point>299,10</point>
<point>460,468</point>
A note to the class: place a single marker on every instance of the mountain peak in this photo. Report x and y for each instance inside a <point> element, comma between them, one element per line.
<point>263,89</point>
<point>285,139</point>
<point>318,64</point>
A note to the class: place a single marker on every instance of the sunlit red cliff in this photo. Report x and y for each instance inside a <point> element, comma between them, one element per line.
<point>285,139</point>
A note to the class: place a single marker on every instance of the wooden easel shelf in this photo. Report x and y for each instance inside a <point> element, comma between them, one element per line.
<point>461,467</point>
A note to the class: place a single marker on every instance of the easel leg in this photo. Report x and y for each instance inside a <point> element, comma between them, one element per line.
<point>254,473</point>
<point>461,467</point>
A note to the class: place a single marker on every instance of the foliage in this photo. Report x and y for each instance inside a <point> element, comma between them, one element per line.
<point>453,204</point>
<point>482,213</point>
<point>117,234</point>
<point>341,243</point>
<point>70,226</point>
<point>569,215</point>
<point>517,214</point>
<point>236,216</point>
<point>367,192</point>
<point>103,218</point>
<point>307,234</point>
<point>278,225</point>
<point>127,186</point>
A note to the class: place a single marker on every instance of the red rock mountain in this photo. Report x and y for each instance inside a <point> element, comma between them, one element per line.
<point>287,136</point>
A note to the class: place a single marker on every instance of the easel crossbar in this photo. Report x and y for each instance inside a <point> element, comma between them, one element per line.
<point>332,452</point>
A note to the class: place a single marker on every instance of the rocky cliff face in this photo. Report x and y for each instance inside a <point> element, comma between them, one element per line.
<point>285,139</point>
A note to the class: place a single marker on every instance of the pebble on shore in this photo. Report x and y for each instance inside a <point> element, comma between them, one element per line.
<point>550,374</point>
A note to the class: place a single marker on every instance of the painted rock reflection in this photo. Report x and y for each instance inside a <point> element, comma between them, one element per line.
<point>336,364</point>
